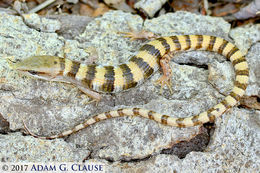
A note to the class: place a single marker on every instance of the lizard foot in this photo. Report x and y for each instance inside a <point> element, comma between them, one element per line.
<point>164,80</point>
<point>139,35</point>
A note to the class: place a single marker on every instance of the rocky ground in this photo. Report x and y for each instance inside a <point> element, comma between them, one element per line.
<point>128,144</point>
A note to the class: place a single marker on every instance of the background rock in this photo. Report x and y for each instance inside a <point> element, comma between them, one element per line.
<point>50,108</point>
<point>18,148</point>
<point>245,36</point>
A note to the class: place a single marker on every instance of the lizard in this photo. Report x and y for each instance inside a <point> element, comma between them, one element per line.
<point>93,79</point>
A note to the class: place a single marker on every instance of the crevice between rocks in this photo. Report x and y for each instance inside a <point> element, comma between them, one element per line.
<point>123,160</point>
<point>134,160</point>
<point>258,99</point>
<point>250,102</point>
<point>203,66</point>
<point>90,156</point>
<point>4,125</point>
<point>198,143</point>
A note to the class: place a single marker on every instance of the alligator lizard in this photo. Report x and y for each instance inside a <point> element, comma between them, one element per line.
<point>92,79</point>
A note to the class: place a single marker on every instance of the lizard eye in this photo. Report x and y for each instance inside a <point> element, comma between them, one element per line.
<point>32,72</point>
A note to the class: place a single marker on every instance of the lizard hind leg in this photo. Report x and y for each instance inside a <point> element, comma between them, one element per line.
<point>165,79</point>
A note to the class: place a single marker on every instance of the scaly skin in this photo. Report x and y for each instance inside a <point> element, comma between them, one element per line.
<point>110,79</point>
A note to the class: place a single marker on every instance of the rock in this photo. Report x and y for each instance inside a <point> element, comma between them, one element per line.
<point>50,108</point>
<point>73,1</point>
<point>21,41</point>
<point>253,59</point>
<point>72,25</point>
<point>234,147</point>
<point>18,148</point>
<point>42,24</point>
<point>149,7</point>
<point>181,22</point>
<point>245,36</point>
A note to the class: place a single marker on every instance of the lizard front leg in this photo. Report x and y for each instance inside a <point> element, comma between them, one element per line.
<point>139,35</point>
<point>165,79</point>
<point>96,97</point>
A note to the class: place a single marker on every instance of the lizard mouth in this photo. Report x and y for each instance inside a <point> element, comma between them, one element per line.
<point>32,72</point>
<point>37,74</point>
<point>43,75</point>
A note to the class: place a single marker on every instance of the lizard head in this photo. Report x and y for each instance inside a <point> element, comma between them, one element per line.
<point>44,67</point>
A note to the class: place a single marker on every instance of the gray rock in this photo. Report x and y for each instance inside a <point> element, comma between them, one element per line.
<point>245,36</point>
<point>254,62</point>
<point>187,23</point>
<point>149,7</point>
<point>103,34</point>
<point>50,108</point>
<point>8,11</point>
<point>73,1</point>
<point>234,147</point>
<point>20,41</point>
<point>72,25</point>
<point>15,147</point>
<point>42,24</point>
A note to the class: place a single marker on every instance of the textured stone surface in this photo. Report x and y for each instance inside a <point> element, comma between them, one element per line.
<point>246,36</point>
<point>42,24</point>
<point>254,62</point>
<point>149,7</point>
<point>234,148</point>
<point>72,25</point>
<point>20,41</point>
<point>15,147</point>
<point>187,23</point>
<point>49,108</point>
<point>103,34</point>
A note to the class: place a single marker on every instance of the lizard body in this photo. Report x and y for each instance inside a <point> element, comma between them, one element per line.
<point>109,79</point>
